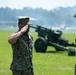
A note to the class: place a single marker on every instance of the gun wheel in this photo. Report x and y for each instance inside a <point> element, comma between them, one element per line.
<point>40,45</point>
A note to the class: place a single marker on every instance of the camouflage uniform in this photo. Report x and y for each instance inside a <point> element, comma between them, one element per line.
<point>22,56</point>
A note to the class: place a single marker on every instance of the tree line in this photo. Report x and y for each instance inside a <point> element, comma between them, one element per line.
<point>57,16</point>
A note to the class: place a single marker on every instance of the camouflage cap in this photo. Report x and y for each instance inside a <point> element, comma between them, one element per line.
<point>23,20</point>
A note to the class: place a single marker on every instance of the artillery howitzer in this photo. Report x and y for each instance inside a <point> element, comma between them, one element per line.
<point>49,37</point>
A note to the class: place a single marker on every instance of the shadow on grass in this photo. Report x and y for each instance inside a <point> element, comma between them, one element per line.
<point>51,51</point>
<point>57,52</point>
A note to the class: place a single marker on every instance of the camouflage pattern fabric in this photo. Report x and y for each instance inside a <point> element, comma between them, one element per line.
<point>22,72</point>
<point>22,55</point>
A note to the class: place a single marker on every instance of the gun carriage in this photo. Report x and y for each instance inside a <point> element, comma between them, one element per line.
<point>49,37</point>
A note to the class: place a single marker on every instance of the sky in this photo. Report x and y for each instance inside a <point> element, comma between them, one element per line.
<point>45,4</point>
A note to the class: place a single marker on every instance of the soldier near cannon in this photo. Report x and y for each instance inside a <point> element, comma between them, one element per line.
<point>21,43</point>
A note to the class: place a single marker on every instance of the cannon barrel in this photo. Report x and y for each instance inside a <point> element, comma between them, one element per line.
<point>38,26</point>
<point>41,29</point>
<point>32,26</point>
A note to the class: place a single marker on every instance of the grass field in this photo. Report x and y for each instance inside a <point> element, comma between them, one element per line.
<point>49,63</point>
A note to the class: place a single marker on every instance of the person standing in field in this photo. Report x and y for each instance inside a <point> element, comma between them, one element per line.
<point>75,17</point>
<point>22,45</point>
<point>75,64</point>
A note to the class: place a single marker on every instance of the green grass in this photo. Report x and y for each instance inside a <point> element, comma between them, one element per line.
<point>49,63</point>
